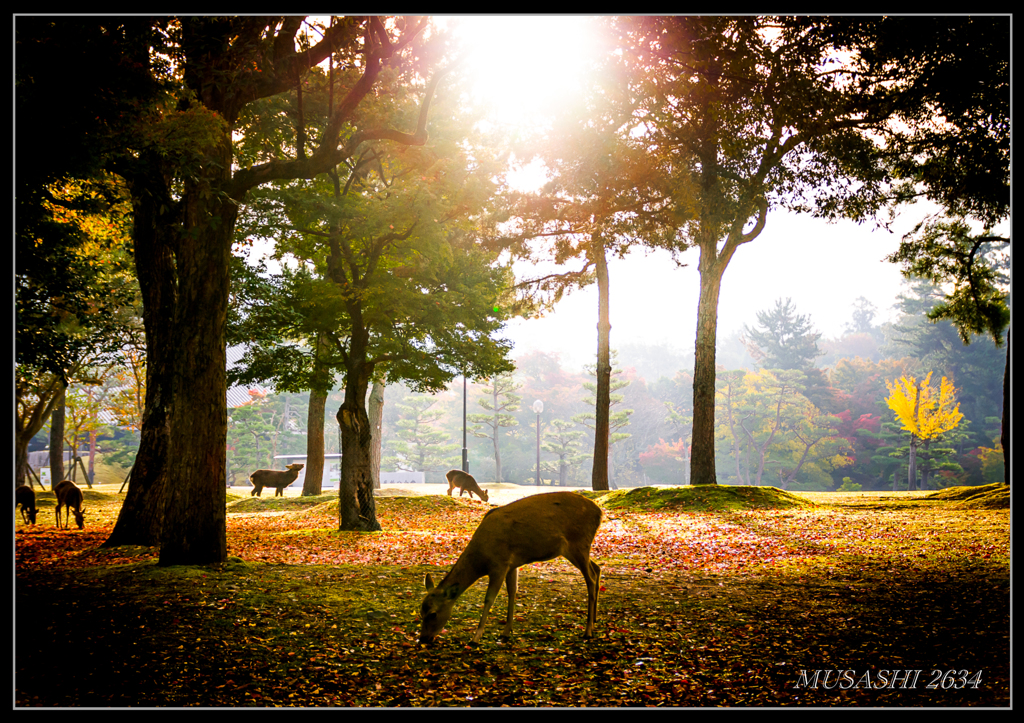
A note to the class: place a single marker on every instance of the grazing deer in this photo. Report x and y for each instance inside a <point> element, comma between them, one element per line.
<point>69,496</point>
<point>533,529</point>
<point>275,479</point>
<point>465,483</point>
<point>25,497</point>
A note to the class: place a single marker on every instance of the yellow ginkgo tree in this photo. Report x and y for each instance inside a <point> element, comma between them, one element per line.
<point>924,411</point>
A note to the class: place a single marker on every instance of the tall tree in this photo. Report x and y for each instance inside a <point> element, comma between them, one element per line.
<point>176,155</point>
<point>389,271</point>
<point>745,114</point>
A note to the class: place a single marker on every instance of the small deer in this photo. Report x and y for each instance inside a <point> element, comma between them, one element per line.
<point>26,498</point>
<point>532,529</point>
<point>465,483</point>
<point>69,496</point>
<point>275,479</point>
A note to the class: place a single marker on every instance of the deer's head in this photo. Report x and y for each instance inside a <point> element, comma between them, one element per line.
<point>436,609</point>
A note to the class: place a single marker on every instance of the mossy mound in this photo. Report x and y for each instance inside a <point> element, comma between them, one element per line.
<point>703,498</point>
<point>278,504</point>
<point>983,497</point>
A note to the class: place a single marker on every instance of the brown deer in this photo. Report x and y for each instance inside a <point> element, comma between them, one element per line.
<point>465,483</point>
<point>25,497</point>
<point>533,529</point>
<point>275,479</point>
<point>69,496</point>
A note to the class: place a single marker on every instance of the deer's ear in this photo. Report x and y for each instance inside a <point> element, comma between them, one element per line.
<point>452,592</point>
<point>429,582</point>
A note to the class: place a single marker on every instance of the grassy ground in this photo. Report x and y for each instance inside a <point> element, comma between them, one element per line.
<point>710,597</point>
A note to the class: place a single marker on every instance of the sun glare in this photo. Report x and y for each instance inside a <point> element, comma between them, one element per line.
<point>524,65</point>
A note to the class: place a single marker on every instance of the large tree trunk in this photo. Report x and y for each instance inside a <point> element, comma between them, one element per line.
<point>356,507</point>
<point>140,520</point>
<point>194,518</point>
<point>357,510</point>
<point>599,476</point>
<point>702,456</point>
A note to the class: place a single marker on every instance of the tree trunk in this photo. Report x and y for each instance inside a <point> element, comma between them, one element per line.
<point>57,437</point>
<point>599,476</point>
<point>312,484</point>
<point>702,456</point>
<point>194,519</point>
<point>357,510</point>
<point>140,520</point>
<point>376,415</point>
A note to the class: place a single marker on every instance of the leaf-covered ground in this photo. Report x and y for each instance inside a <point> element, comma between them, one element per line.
<point>710,597</point>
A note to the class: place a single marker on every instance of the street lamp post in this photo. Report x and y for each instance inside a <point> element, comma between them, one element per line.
<point>538,407</point>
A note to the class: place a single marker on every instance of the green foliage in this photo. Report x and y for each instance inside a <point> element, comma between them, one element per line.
<point>948,252</point>
<point>783,339</point>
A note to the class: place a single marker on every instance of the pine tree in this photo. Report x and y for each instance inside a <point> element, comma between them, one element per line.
<point>564,443</point>
<point>616,419</point>
<point>503,400</point>
<point>784,340</point>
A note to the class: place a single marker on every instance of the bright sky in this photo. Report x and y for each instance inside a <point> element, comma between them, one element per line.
<point>526,61</point>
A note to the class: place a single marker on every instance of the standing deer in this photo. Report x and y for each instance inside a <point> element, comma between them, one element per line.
<point>69,496</point>
<point>465,482</point>
<point>533,529</point>
<point>274,479</point>
<point>25,497</point>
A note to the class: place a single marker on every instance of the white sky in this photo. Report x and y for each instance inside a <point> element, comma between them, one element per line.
<point>824,268</point>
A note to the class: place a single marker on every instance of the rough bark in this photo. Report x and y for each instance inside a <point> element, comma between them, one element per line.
<point>357,510</point>
<point>140,519</point>
<point>194,517</point>
<point>711,267</point>
<point>702,457</point>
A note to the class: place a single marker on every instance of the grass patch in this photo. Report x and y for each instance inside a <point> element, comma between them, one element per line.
<point>706,498</point>
<point>986,497</point>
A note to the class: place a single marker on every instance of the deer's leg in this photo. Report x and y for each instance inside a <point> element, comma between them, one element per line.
<point>592,575</point>
<point>511,583</point>
<point>592,598</point>
<point>494,581</point>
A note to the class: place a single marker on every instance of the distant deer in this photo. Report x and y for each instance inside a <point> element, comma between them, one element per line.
<point>275,479</point>
<point>533,529</point>
<point>465,483</point>
<point>26,498</point>
<point>69,496</point>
